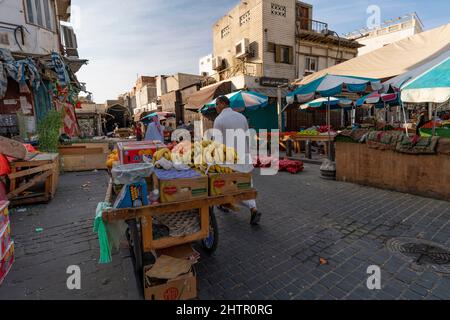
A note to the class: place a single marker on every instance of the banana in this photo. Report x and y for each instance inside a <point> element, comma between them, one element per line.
<point>206,143</point>
<point>230,155</point>
<point>207,154</point>
<point>218,155</point>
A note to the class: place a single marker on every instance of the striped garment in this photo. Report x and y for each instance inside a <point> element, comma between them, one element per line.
<point>20,71</point>
<point>60,68</point>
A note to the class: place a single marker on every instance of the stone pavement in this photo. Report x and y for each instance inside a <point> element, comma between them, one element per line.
<point>305,219</point>
<point>42,259</point>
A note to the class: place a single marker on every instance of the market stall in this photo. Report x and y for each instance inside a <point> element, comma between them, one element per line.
<point>167,199</point>
<point>390,160</point>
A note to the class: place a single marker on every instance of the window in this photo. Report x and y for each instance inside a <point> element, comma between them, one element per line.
<point>271,47</point>
<point>225,32</point>
<point>244,18</point>
<point>69,40</point>
<point>278,10</point>
<point>284,54</point>
<point>41,13</point>
<point>311,64</point>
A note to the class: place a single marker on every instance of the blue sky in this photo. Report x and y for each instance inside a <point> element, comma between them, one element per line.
<point>124,39</point>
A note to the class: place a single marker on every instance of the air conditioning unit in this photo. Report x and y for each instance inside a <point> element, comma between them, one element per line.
<point>242,48</point>
<point>217,63</point>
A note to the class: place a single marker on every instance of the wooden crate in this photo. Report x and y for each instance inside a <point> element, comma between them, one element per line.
<point>26,174</point>
<point>84,156</point>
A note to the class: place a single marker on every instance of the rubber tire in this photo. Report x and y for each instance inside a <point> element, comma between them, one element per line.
<point>210,249</point>
<point>134,240</point>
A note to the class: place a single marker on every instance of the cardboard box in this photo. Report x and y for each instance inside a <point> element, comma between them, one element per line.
<point>5,239</point>
<point>4,215</point>
<point>133,152</point>
<point>181,288</point>
<point>181,189</point>
<point>6,262</point>
<point>222,184</point>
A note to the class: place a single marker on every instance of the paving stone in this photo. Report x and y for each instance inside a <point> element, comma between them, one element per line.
<point>279,260</point>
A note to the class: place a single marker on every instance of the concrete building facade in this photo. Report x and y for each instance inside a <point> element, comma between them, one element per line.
<point>275,40</point>
<point>205,66</point>
<point>390,31</point>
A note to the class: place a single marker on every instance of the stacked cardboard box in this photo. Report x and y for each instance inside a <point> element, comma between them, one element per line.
<point>6,243</point>
<point>134,152</point>
<point>223,184</point>
<point>180,186</point>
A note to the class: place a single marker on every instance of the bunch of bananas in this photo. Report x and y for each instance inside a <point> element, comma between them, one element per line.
<point>113,157</point>
<point>219,169</point>
<point>162,153</point>
<point>211,154</point>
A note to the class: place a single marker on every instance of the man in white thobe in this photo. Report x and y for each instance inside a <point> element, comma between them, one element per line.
<point>228,119</point>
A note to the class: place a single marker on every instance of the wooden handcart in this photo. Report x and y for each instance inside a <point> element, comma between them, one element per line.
<point>140,222</point>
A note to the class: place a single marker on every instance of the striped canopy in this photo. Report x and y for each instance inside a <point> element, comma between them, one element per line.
<point>431,86</point>
<point>331,85</point>
<point>241,101</point>
<point>378,99</point>
<point>321,103</point>
<point>160,115</point>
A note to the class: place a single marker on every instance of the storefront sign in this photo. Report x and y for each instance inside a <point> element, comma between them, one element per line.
<point>273,82</point>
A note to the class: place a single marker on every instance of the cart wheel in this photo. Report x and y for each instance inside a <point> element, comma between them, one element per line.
<point>134,240</point>
<point>212,241</point>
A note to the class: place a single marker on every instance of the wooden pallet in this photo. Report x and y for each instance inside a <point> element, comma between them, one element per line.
<point>26,174</point>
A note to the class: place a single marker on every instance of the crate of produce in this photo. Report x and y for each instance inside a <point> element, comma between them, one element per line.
<point>4,215</point>
<point>6,262</point>
<point>134,152</point>
<point>183,185</point>
<point>226,183</point>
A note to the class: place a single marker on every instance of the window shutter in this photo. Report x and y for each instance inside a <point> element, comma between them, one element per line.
<point>278,53</point>
<point>291,55</point>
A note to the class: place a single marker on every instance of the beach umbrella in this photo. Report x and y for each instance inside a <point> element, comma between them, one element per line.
<point>378,99</point>
<point>321,103</point>
<point>329,86</point>
<point>160,115</point>
<point>431,86</point>
<point>241,101</point>
<point>398,82</point>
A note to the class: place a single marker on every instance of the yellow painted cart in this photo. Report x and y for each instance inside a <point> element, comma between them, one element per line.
<point>140,222</point>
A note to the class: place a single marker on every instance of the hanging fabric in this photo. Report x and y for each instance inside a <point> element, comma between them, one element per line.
<point>3,81</point>
<point>60,68</point>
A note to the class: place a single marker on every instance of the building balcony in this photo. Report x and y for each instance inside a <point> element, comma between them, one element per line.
<point>309,25</point>
<point>318,32</point>
<point>240,69</point>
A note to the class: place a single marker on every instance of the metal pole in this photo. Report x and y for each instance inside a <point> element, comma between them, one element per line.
<point>329,129</point>
<point>434,122</point>
<point>280,113</point>
<point>404,116</point>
